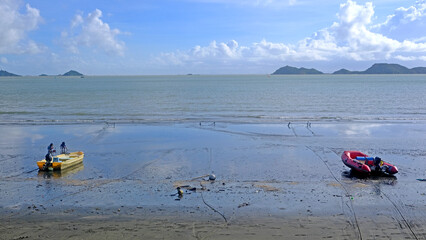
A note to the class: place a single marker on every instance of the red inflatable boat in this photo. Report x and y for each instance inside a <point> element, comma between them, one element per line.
<point>363,163</point>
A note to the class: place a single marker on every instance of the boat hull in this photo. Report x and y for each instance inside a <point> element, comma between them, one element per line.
<point>63,161</point>
<point>363,163</point>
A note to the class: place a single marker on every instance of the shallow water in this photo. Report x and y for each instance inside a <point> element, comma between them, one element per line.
<point>195,98</point>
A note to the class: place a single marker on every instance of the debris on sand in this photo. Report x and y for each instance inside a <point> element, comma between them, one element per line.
<point>179,192</point>
<point>267,188</point>
<point>243,205</point>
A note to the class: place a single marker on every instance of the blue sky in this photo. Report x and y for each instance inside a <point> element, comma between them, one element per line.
<point>130,37</point>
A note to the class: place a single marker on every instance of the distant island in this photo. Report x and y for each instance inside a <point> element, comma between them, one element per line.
<point>293,70</point>
<point>7,74</point>
<point>377,68</point>
<point>386,68</point>
<point>72,73</point>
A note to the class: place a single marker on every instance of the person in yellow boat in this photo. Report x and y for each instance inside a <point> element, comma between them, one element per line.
<point>51,149</point>
<point>64,148</point>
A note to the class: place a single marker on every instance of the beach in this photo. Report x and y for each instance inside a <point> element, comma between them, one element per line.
<point>273,181</point>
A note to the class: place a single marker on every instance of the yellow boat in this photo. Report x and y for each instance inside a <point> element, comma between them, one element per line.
<point>63,173</point>
<point>63,161</point>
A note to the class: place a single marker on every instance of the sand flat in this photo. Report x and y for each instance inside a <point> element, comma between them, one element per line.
<point>273,182</point>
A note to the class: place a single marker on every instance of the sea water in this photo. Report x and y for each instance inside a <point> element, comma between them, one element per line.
<point>214,98</point>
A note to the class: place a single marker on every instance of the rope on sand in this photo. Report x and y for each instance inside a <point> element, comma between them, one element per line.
<point>402,216</point>
<point>31,170</point>
<point>204,201</point>
<point>212,208</point>
<point>12,176</point>
<point>196,178</point>
<point>346,190</point>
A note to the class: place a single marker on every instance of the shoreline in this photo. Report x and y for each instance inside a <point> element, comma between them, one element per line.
<point>207,122</point>
<point>273,181</point>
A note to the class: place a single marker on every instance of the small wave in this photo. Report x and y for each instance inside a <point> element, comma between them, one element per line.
<point>17,113</point>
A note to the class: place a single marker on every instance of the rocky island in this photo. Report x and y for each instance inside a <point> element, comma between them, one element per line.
<point>377,68</point>
<point>386,68</point>
<point>72,73</point>
<point>293,70</point>
<point>7,74</point>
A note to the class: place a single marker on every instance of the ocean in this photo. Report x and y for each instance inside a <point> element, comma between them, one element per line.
<point>214,98</point>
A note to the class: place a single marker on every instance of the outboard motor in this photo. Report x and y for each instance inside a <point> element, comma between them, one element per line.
<point>392,170</point>
<point>48,163</point>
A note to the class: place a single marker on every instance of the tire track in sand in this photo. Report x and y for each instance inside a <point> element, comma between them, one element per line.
<point>351,207</point>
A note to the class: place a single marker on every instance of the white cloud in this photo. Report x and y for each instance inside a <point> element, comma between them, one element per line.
<point>411,58</point>
<point>92,32</point>
<point>14,27</point>
<point>4,60</point>
<point>405,23</point>
<point>221,50</point>
<point>350,38</point>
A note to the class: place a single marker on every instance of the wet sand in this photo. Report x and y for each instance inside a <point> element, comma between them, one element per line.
<point>273,181</point>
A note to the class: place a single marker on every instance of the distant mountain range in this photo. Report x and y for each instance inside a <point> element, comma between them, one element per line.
<point>69,73</point>
<point>378,68</point>
<point>386,68</point>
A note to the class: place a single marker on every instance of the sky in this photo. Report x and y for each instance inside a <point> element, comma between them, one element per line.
<point>162,37</point>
